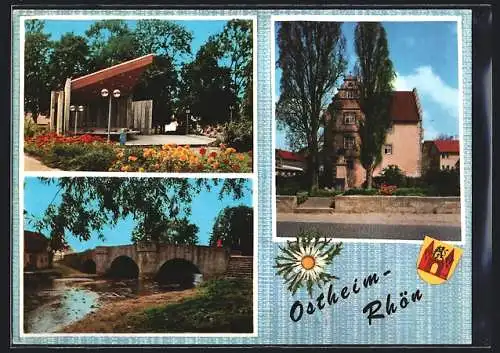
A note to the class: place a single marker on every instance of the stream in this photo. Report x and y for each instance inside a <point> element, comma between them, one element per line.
<point>51,304</point>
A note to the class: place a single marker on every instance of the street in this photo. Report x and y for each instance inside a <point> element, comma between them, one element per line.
<point>372,230</point>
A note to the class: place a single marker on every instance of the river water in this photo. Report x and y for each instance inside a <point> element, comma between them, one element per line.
<point>51,304</point>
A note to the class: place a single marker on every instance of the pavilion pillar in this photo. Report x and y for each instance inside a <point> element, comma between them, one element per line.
<point>67,101</point>
<point>52,110</point>
<point>59,120</point>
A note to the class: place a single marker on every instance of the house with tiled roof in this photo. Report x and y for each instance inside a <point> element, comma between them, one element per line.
<point>36,255</point>
<point>403,144</point>
<point>441,154</point>
<point>289,163</point>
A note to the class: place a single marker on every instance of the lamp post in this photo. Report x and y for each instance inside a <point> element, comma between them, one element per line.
<point>187,120</point>
<point>80,109</point>
<point>104,94</point>
<point>72,108</point>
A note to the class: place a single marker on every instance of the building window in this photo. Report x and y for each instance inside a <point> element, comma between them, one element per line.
<point>387,149</point>
<point>349,118</point>
<point>349,94</point>
<point>348,142</point>
<point>444,155</point>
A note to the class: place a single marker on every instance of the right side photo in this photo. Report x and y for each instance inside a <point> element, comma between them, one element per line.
<point>367,133</point>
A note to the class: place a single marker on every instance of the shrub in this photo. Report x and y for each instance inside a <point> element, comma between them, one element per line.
<point>239,135</point>
<point>443,182</point>
<point>360,192</point>
<point>324,193</point>
<point>302,197</point>
<point>31,129</point>
<point>91,157</point>
<point>392,175</point>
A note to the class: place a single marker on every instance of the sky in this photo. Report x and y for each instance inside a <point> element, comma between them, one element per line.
<point>204,209</point>
<point>200,29</point>
<point>425,57</point>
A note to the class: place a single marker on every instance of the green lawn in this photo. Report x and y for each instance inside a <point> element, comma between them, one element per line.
<point>224,305</point>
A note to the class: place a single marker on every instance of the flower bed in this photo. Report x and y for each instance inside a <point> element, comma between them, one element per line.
<point>93,153</point>
<point>84,152</point>
<point>173,158</point>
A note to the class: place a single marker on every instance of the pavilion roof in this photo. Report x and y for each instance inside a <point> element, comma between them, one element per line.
<point>123,76</point>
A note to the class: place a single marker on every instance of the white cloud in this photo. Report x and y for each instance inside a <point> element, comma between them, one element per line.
<point>431,86</point>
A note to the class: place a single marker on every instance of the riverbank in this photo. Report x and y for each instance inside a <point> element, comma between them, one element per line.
<point>216,306</point>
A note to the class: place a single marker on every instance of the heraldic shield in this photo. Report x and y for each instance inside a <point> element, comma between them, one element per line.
<point>437,260</point>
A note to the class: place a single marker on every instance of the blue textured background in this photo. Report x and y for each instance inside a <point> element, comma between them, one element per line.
<point>443,316</point>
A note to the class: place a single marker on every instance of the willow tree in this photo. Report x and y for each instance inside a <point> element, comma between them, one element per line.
<point>312,59</point>
<point>160,207</point>
<point>376,73</point>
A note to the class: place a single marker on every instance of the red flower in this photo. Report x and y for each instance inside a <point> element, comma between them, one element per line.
<point>203,151</point>
<point>213,154</point>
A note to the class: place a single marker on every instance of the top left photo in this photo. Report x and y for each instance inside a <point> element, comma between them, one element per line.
<point>146,95</point>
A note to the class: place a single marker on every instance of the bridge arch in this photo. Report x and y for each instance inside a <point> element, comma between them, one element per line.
<point>89,266</point>
<point>177,271</point>
<point>123,266</point>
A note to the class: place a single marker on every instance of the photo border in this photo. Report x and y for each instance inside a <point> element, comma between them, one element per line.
<point>464,208</point>
<point>22,174</point>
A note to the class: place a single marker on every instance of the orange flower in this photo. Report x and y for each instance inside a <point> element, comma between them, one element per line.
<point>240,156</point>
<point>132,158</point>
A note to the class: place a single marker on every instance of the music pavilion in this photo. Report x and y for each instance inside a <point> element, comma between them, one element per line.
<point>102,102</point>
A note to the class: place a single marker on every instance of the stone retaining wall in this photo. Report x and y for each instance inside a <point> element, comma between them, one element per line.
<point>286,204</point>
<point>397,204</point>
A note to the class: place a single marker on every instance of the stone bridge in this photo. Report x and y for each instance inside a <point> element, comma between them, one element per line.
<point>149,258</point>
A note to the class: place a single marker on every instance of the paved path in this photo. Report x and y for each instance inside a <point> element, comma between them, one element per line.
<point>192,140</point>
<point>373,226</point>
<point>33,165</point>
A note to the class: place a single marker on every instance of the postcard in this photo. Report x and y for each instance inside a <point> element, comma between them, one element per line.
<point>242,177</point>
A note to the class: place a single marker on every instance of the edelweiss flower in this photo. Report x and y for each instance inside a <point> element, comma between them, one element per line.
<point>304,261</point>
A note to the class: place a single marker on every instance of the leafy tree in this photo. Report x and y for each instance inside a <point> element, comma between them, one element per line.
<point>163,38</point>
<point>111,42</point>
<point>171,231</point>
<point>234,226</point>
<point>88,204</point>
<point>445,137</point>
<point>376,74</point>
<point>235,49</point>
<point>312,59</point>
<point>69,59</point>
<point>392,175</point>
<point>161,84</point>
<point>205,82</point>
<point>37,47</point>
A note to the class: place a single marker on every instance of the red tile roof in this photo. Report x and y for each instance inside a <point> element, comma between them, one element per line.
<point>34,242</point>
<point>289,156</point>
<point>447,146</point>
<point>404,107</point>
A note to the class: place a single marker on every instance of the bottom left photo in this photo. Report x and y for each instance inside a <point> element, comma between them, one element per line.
<point>137,255</point>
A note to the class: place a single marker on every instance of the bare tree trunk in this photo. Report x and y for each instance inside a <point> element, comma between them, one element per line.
<point>369,177</point>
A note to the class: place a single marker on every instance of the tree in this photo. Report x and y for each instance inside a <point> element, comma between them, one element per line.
<point>205,82</point>
<point>111,42</point>
<point>87,204</point>
<point>69,59</point>
<point>163,38</point>
<point>235,49</point>
<point>312,59</point>
<point>445,137</point>
<point>37,47</point>
<point>234,226</point>
<point>376,74</point>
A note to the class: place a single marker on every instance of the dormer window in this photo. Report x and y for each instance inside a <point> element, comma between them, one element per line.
<point>349,94</point>
<point>349,118</point>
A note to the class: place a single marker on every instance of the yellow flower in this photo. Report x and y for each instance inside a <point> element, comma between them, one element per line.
<point>230,150</point>
<point>141,169</point>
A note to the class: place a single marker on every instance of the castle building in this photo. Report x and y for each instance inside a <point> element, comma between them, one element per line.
<point>403,144</point>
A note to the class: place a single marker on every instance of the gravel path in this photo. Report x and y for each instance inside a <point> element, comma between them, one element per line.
<point>34,165</point>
